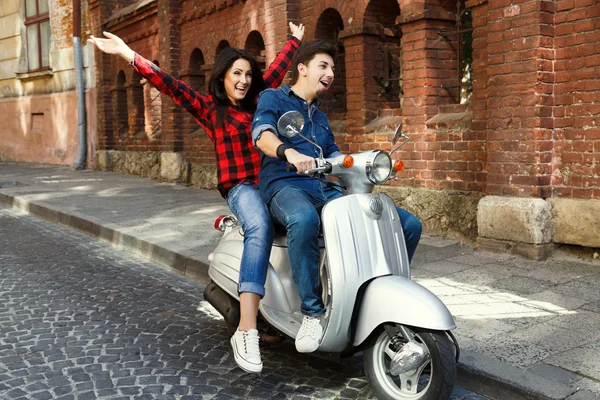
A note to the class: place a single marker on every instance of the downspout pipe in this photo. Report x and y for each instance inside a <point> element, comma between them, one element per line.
<point>80,160</point>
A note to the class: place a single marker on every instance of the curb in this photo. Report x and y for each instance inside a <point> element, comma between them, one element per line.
<point>497,380</point>
<point>186,266</point>
<point>475,372</point>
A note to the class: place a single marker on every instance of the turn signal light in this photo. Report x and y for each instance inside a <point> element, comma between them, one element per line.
<point>348,162</point>
<point>398,165</point>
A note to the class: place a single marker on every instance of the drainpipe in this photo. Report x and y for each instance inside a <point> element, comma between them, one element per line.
<point>80,160</point>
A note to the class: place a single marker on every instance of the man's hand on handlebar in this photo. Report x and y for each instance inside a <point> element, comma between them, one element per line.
<point>302,162</point>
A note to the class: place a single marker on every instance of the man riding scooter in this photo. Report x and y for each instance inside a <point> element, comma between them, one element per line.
<point>295,199</point>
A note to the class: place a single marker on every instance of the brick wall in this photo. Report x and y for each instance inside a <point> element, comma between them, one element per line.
<point>576,112</point>
<point>534,93</point>
<point>530,128</point>
<point>519,98</point>
<point>244,20</point>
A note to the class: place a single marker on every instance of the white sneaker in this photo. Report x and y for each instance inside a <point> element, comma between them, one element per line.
<point>246,351</point>
<point>307,339</point>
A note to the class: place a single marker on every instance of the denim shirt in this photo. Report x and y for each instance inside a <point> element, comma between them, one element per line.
<point>272,104</point>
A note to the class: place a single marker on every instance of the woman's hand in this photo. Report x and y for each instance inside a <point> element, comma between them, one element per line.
<point>113,45</point>
<point>297,30</point>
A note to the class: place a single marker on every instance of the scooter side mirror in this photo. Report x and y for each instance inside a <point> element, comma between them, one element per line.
<point>397,136</point>
<point>290,124</point>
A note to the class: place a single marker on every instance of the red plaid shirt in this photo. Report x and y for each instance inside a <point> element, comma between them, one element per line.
<point>237,158</point>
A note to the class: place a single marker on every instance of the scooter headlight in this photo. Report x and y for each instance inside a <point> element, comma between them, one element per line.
<point>379,167</point>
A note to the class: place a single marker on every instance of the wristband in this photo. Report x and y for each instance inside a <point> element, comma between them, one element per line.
<point>281,152</point>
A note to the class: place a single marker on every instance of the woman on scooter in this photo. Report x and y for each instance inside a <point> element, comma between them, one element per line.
<point>226,116</point>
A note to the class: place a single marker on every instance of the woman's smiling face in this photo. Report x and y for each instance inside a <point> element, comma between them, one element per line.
<point>237,81</point>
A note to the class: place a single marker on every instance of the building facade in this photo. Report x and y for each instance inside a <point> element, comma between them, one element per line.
<point>37,82</point>
<point>501,100</point>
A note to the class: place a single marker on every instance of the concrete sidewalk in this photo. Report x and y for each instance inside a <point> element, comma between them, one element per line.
<point>527,329</point>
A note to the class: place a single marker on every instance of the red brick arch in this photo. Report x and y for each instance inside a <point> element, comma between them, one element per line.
<point>329,24</point>
<point>406,7</point>
<point>136,99</point>
<point>344,8</point>
<point>120,109</point>
<point>223,44</point>
<point>255,46</point>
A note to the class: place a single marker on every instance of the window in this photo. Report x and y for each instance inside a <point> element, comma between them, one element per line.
<point>466,66</point>
<point>37,25</point>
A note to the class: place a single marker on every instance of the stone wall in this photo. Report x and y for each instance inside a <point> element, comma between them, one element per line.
<point>164,166</point>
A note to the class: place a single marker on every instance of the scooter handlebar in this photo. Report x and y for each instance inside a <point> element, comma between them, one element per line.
<point>289,167</point>
<point>326,169</point>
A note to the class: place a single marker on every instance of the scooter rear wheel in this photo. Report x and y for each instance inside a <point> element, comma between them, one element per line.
<point>432,381</point>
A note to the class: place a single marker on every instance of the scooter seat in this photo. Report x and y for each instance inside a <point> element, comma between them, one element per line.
<point>280,240</point>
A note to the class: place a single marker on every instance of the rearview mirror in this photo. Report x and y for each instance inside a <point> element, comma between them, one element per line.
<point>290,124</point>
<point>398,134</point>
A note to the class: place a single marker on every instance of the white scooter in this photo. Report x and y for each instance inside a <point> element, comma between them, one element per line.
<point>372,305</point>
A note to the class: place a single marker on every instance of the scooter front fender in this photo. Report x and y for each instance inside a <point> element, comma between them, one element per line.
<point>399,300</point>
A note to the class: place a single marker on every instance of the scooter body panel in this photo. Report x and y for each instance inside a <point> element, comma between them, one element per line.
<point>409,304</point>
<point>224,268</point>
<point>281,304</point>
<point>364,240</point>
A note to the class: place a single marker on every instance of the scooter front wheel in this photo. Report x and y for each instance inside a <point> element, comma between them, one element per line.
<point>433,380</point>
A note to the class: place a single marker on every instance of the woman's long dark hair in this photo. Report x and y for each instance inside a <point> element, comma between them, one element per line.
<point>216,86</point>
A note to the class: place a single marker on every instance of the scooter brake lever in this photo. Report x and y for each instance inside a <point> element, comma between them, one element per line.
<point>317,170</point>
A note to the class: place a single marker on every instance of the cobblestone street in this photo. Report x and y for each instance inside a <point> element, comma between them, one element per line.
<point>81,320</point>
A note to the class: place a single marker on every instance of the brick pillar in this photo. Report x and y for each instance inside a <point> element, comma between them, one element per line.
<point>357,79</point>
<point>576,169</point>
<point>520,85</point>
<point>276,30</point>
<point>518,90</point>
<point>368,45</point>
<point>479,10</point>
<point>169,56</point>
<point>429,61</point>
<point>99,11</point>
<point>135,100</point>
<point>355,84</point>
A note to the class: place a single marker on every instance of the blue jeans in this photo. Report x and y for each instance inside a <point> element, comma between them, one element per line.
<point>246,203</point>
<point>299,212</point>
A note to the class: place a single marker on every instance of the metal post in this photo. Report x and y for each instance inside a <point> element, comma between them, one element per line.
<point>80,160</point>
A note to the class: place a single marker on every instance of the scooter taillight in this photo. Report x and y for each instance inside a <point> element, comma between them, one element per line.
<point>225,221</point>
<point>219,225</point>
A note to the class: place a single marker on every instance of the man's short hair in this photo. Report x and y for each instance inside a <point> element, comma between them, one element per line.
<point>307,51</point>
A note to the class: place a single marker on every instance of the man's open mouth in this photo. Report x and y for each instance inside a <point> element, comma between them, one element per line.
<point>326,84</point>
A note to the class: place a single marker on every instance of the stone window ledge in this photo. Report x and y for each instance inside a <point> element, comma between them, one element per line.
<point>384,124</point>
<point>30,76</point>
<point>450,121</point>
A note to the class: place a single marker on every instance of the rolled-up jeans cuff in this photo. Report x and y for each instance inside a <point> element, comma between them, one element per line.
<point>314,313</point>
<point>252,287</point>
